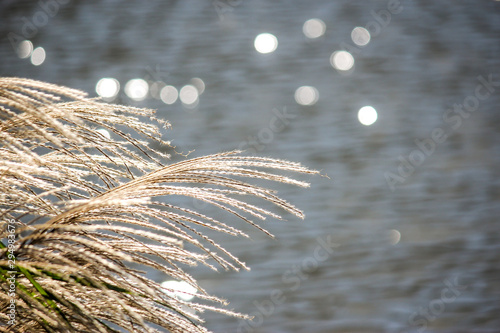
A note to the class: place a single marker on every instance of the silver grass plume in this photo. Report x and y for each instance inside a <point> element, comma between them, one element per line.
<point>79,210</point>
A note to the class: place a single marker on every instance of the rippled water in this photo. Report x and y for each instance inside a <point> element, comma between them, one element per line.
<point>417,253</point>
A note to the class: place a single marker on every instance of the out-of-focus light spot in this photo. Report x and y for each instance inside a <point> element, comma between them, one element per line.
<point>342,60</point>
<point>179,289</point>
<point>306,95</point>
<point>137,89</point>
<point>360,36</point>
<point>314,28</point>
<point>24,49</point>
<point>38,56</point>
<point>265,43</point>
<point>104,133</point>
<point>394,236</point>
<point>168,94</point>
<point>155,89</point>
<point>199,84</point>
<point>367,115</point>
<point>107,87</point>
<point>189,95</point>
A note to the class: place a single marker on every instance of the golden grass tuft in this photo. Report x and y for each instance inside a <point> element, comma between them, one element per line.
<point>79,210</point>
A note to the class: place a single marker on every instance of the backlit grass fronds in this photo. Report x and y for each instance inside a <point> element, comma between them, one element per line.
<point>86,206</point>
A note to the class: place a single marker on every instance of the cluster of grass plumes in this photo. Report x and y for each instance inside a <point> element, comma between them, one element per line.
<point>81,210</point>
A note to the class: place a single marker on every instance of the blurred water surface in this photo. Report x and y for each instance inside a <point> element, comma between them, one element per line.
<point>415,248</point>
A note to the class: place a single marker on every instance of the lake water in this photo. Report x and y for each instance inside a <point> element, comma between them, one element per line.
<point>405,235</point>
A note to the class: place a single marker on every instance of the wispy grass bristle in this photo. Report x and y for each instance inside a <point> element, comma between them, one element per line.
<point>80,212</point>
